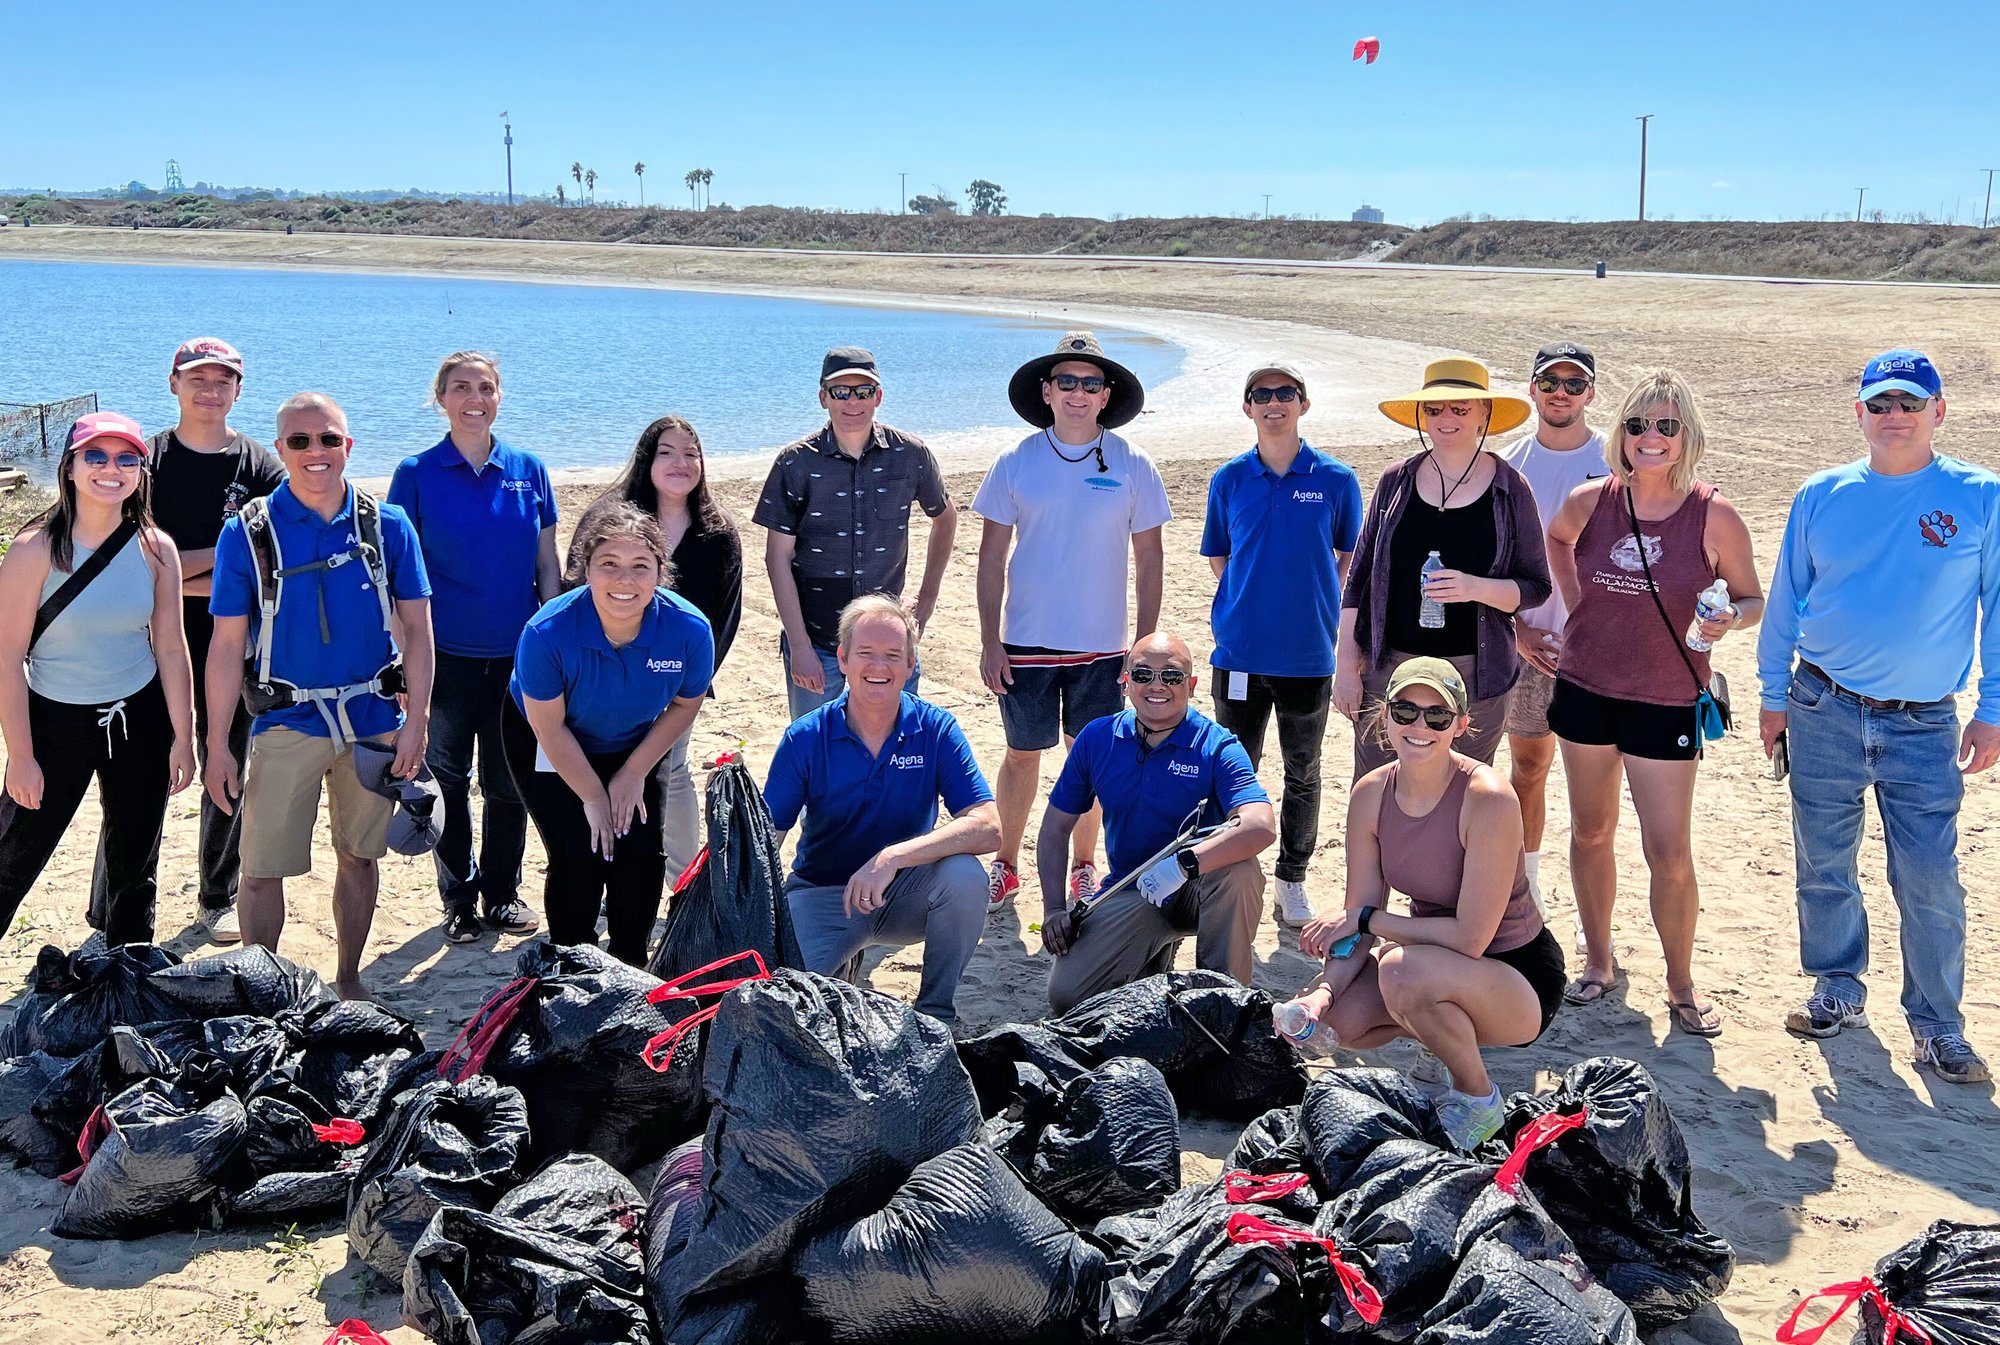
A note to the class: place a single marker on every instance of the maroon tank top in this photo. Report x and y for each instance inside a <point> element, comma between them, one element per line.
<point>1423,858</point>
<point>1614,642</point>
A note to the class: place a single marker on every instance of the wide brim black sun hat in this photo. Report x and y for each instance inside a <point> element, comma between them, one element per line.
<point>1024,389</point>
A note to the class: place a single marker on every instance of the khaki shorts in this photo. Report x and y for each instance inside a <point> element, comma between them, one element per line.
<point>281,784</point>
<point>1528,704</point>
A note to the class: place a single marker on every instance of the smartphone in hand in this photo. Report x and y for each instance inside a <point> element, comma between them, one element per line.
<point>1781,756</point>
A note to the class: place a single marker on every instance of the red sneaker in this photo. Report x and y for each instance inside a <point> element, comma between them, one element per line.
<point>1002,882</point>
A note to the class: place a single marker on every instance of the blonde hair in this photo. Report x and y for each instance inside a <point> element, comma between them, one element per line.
<point>1662,389</point>
<point>878,604</point>
<point>455,360</point>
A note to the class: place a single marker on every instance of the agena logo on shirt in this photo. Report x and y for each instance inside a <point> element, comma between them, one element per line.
<point>1309,496</point>
<point>1189,769</point>
<point>663,665</point>
<point>519,487</point>
<point>905,763</point>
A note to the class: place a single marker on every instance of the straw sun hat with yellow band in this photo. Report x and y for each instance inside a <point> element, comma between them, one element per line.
<point>1458,380</point>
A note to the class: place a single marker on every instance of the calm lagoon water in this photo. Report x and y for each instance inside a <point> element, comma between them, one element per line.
<point>585,367</point>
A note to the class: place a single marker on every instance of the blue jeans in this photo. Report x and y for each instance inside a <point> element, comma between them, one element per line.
<point>804,702</point>
<point>465,714</point>
<point>942,904</point>
<point>1840,749</point>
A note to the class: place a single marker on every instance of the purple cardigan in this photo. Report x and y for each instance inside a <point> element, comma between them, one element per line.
<point>1521,555</point>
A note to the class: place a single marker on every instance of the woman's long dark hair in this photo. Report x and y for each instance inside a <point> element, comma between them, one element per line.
<point>635,483</point>
<point>58,521</point>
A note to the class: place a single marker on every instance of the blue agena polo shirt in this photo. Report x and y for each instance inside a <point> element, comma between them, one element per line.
<point>1149,793</point>
<point>1277,606</point>
<point>358,646</point>
<point>857,801</point>
<point>481,532</point>
<point>612,696</point>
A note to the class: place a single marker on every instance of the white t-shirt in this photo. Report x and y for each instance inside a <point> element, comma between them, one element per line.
<point>1552,474</point>
<point>1073,524</point>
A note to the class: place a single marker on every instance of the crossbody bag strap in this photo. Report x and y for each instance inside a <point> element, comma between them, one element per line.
<point>1632,517</point>
<point>79,578</point>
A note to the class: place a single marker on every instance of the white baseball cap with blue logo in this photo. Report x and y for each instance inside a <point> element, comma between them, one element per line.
<point>1908,371</point>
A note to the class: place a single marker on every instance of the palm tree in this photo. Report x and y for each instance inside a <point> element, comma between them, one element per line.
<point>639,171</point>
<point>590,176</point>
<point>693,176</point>
<point>707,176</point>
<point>576,171</point>
<point>559,194</point>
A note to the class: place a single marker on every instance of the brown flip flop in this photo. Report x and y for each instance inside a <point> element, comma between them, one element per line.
<point>1697,1020</point>
<point>1587,990</point>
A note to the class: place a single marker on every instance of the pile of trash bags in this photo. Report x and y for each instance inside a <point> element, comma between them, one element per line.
<point>1943,1287</point>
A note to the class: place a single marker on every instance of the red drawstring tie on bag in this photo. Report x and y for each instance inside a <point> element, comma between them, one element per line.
<point>1244,1188</point>
<point>695,866</point>
<point>1246,1227</point>
<point>354,1331</point>
<point>679,988</point>
<point>1539,1133</point>
<point>339,1130</point>
<point>95,1131</point>
<point>475,1041</point>
<point>1895,1326</point>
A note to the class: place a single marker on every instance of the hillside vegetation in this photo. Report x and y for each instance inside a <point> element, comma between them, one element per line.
<point>1808,249</point>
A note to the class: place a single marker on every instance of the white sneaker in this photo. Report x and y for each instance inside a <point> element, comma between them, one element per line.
<point>220,922</point>
<point>1294,906</point>
<point>1428,1074</point>
<point>1582,944</point>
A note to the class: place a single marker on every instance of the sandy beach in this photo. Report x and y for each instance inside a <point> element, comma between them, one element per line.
<point>1813,1159</point>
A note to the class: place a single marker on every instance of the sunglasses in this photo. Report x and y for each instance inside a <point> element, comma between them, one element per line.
<point>854,392</point>
<point>299,443</point>
<point>1435,717</point>
<point>1142,676</point>
<point>1071,382</point>
<point>1882,406</point>
<point>1668,426</point>
<point>1459,409</point>
<point>99,457</point>
<point>1575,387</point>
<point>1265,396</point>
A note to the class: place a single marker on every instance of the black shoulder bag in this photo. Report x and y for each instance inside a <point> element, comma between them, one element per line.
<point>1711,703</point>
<point>79,578</point>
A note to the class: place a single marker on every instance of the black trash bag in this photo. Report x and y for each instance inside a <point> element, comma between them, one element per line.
<point>348,1054</point>
<point>1274,1142</point>
<point>1191,1284</point>
<point>1504,1294</point>
<point>584,1199</point>
<point>291,1197</point>
<point>442,1144</point>
<point>1348,1113</point>
<point>1211,1037</point>
<point>1018,1062</point>
<point>482,1279</point>
<point>75,1000</point>
<point>674,1208</point>
<point>248,1046</point>
<point>963,1252</point>
<point>731,900</point>
<point>244,980</point>
<point>1115,1146</point>
<point>824,1098</point>
<point>575,1046</point>
<point>1622,1187</point>
<point>768,1315</point>
<point>1945,1282</point>
<point>163,1161</point>
<point>126,1056</point>
<point>35,1143</point>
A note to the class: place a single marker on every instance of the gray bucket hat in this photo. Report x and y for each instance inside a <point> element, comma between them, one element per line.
<point>415,825</point>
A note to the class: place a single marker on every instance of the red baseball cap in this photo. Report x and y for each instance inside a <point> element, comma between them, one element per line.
<point>208,350</point>
<point>109,425</point>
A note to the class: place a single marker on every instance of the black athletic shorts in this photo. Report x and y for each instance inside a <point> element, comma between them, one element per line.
<point>1636,728</point>
<point>1540,960</point>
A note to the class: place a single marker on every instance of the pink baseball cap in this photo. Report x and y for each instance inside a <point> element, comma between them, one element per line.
<point>109,425</point>
<point>208,350</point>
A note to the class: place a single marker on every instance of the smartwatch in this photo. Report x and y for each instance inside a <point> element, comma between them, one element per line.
<point>1367,914</point>
<point>1190,863</point>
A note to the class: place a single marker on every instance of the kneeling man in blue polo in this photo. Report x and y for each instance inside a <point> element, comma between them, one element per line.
<point>868,770</point>
<point>1156,768</point>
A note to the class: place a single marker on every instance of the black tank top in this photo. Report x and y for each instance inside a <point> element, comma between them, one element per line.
<point>1464,539</point>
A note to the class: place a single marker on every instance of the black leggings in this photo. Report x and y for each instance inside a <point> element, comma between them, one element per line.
<point>125,745</point>
<point>629,885</point>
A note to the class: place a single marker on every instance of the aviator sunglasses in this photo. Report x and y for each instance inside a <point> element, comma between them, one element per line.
<point>1575,387</point>
<point>1071,382</point>
<point>1167,677</point>
<point>1265,396</point>
<point>1882,406</point>
<point>860,392</point>
<point>1668,426</point>
<point>1435,717</point>
<point>299,443</point>
<point>99,457</point>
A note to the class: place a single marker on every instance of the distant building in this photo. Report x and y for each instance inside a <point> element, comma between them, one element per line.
<point>1368,214</point>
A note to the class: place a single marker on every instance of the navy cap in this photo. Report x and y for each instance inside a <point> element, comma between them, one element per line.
<point>1901,371</point>
<point>848,360</point>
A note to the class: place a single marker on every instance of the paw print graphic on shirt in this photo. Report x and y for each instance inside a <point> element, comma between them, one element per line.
<point>1937,527</point>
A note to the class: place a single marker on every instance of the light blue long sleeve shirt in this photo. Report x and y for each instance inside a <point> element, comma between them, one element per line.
<point>1882,582</point>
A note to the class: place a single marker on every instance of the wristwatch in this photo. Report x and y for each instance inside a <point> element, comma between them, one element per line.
<point>1367,914</point>
<point>1190,862</point>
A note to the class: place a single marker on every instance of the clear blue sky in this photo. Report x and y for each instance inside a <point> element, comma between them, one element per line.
<point>1763,110</point>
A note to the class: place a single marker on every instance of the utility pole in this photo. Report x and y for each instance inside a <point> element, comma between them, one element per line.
<point>1987,213</point>
<point>905,179</point>
<point>1643,128</point>
<point>1859,194</point>
<point>510,157</point>
<point>1267,205</point>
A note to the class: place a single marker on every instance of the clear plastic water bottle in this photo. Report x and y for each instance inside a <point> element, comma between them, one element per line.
<point>1713,602</point>
<point>1295,1022</point>
<point>1431,615</point>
